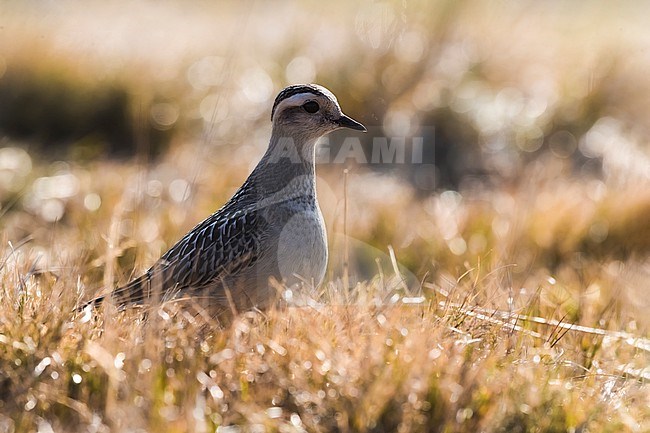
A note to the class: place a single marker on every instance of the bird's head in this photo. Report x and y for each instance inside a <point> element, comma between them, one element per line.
<point>309,111</point>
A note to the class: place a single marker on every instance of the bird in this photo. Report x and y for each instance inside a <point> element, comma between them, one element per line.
<point>271,228</point>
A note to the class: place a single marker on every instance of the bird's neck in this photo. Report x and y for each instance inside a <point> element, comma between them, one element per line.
<point>287,167</point>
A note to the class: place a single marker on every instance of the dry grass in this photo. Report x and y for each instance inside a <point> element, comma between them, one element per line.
<point>515,301</point>
<point>367,359</point>
<point>477,344</point>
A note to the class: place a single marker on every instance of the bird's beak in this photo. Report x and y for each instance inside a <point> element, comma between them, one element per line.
<point>347,122</point>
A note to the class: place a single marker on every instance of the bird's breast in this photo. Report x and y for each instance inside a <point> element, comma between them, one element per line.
<point>302,247</point>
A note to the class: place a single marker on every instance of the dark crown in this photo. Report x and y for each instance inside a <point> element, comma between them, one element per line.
<point>294,90</point>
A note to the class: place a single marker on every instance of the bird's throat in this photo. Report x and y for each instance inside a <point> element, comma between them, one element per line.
<point>289,163</point>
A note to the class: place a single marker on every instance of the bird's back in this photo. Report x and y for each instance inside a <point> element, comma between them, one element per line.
<point>231,255</point>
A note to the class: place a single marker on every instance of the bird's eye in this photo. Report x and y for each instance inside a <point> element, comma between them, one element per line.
<point>311,107</point>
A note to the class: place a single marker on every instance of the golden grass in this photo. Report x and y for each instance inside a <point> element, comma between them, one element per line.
<point>362,360</point>
<point>475,346</point>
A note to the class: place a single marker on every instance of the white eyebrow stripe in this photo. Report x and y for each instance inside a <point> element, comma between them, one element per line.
<point>295,101</point>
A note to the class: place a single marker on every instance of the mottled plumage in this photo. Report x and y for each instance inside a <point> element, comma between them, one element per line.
<point>272,227</point>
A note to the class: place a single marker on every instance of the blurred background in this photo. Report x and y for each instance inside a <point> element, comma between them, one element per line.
<point>122,124</point>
